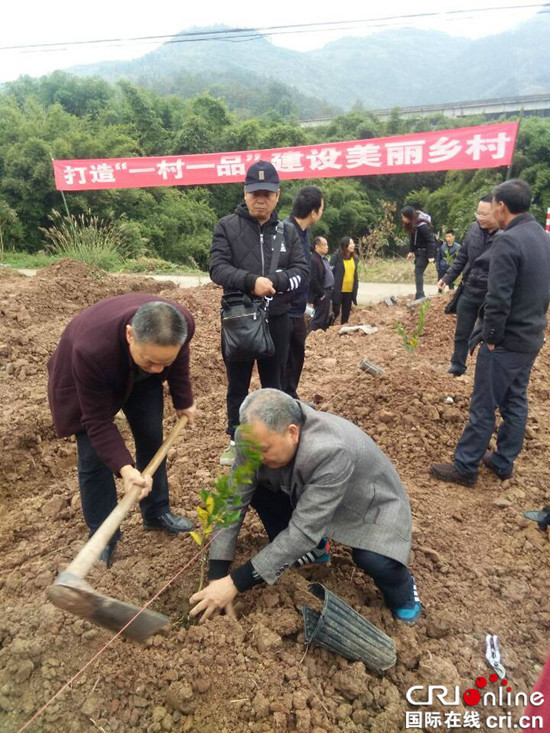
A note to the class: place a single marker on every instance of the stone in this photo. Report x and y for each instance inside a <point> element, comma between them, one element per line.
<point>91,705</point>
<point>202,685</point>
<point>351,682</point>
<point>260,705</point>
<point>303,721</point>
<point>299,700</point>
<point>180,696</point>
<point>266,639</point>
<point>54,506</point>
<point>24,670</point>
<point>501,502</point>
<point>159,713</point>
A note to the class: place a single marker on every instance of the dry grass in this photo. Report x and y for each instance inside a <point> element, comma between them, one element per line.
<point>398,270</point>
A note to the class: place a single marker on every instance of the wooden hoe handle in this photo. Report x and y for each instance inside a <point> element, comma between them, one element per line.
<point>99,540</point>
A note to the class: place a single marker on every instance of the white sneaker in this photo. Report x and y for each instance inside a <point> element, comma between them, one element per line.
<point>229,454</point>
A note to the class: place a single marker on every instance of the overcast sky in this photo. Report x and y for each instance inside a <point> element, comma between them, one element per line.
<point>62,21</point>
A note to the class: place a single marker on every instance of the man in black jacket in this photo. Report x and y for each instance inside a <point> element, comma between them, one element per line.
<point>240,260</point>
<point>321,285</point>
<point>307,209</point>
<point>475,272</point>
<point>514,321</point>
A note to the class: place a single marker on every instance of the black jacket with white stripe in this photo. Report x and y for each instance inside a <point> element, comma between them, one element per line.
<point>241,252</point>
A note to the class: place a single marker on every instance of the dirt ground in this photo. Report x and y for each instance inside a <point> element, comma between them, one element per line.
<point>479,566</point>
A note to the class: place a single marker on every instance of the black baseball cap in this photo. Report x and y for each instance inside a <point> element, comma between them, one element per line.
<point>261,176</point>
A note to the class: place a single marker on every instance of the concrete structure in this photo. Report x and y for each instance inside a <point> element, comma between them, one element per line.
<point>532,104</point>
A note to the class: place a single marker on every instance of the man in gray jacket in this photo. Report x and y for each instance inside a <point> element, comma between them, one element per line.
<point>321,477</point>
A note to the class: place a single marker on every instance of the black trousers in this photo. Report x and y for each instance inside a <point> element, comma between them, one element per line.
<point>144,411</point>
<point>391,577</point>
<point>296,355</point>
<point>466,315</point>
<point>345,304</point>
<point>419,268</point>
<point>271,370</point>
<point>322,312</point>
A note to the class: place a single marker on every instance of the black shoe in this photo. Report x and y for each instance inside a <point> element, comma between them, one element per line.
<point>488,461</point>
<point>449,472</point>
<point>542,518</point>
<point>169,522</point>
<point>456,371</point>
<point>107,554</point>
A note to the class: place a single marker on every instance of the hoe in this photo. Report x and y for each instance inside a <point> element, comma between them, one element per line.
<point>71,593</point>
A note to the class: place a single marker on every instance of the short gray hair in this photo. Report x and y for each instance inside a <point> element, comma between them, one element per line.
<point>159,323</point>
<point>274,408</point>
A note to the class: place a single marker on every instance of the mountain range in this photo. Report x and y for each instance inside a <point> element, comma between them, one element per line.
<point>392,68</point>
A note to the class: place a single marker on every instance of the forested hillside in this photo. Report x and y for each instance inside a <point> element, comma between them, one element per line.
<point>398,67</point>
<point>61,116</point>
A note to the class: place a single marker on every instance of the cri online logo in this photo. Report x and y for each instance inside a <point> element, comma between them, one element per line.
<point>473,696</point>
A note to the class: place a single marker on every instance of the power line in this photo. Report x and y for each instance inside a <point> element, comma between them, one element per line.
<point>244,34</point>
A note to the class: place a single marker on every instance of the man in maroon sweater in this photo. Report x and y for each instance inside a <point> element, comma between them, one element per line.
<point>115,356</point>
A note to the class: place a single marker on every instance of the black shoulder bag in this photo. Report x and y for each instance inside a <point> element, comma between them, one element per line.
<point>453,303</point>
<point>245,323</point>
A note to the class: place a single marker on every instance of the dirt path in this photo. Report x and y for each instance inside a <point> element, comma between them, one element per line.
<point>480,567</point>
<point>368,294</point>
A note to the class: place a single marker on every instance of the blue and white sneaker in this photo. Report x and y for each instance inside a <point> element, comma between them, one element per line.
<point>412,610</point>
<point>317,556</point>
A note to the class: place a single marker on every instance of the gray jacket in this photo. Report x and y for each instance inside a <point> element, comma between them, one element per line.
<point>341,485</point>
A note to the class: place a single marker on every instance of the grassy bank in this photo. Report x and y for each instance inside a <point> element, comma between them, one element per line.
<point>377,270</point>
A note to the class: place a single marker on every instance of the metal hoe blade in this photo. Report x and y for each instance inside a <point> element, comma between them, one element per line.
<point>74,595</point>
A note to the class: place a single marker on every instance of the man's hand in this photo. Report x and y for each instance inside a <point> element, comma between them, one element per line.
<point>410,255</point>
<point>217,596</point>
<point>133,478</point>
<point>263,286</point>
<point>491,347</point>
<point>190,412</point>
<point>442,284</point>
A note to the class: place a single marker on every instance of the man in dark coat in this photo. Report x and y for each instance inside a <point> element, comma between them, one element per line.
<point>307,209</point>
<point>321,477</point>
<point>240,260</point>
<point>514,321</point>
<point>445,254</point>
<point>321,285</point>
<point>115,356</point>
<point>475,272</point>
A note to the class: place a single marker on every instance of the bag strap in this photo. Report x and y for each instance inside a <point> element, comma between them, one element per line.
<point>277,244</point>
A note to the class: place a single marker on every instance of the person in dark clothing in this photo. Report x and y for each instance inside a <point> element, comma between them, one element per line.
<point>512,331</point>
<point>240,260</point>
<point>473,262</point>
<point>321,284</point>
<point>346,278</point>
<point>421,244</point>
<point>115,356</point>
<point>307,209</point>
<point>445,255</point>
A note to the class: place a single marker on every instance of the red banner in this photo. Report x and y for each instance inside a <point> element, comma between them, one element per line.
<point>485,146</point>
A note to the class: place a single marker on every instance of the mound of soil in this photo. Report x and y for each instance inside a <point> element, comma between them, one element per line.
<point>479,566</point>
